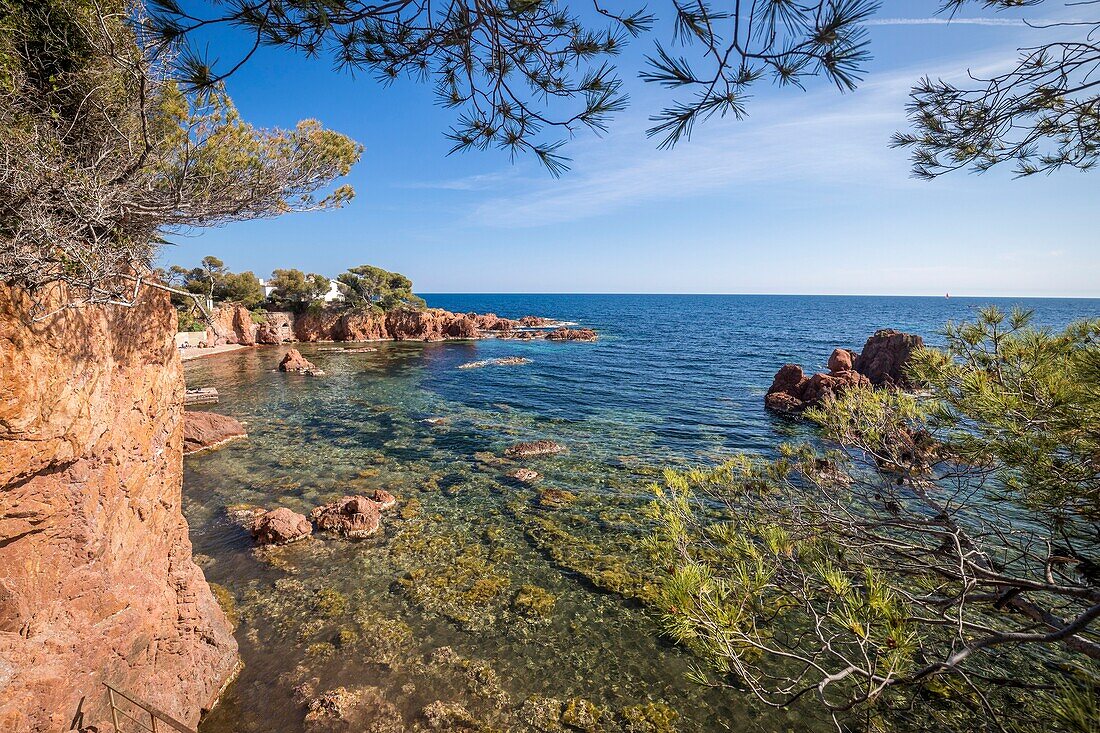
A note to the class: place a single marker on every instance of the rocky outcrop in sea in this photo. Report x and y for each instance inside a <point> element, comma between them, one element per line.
<point>881,364</point>
<point>202,430</point>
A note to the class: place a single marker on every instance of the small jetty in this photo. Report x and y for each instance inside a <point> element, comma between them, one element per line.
<point>200,396</point>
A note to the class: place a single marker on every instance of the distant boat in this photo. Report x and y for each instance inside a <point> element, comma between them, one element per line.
<point>947,295</point>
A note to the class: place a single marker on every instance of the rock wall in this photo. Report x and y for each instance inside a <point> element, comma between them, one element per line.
<point>433,324</point>
<point>232,324</point>
<point>97,583</point>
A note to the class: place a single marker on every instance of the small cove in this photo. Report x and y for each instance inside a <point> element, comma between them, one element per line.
<point>476,592</point>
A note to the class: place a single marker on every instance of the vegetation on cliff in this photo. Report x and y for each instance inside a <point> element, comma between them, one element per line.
<point>373,286</point>
<point>939,564</point>
<point>104,155</point>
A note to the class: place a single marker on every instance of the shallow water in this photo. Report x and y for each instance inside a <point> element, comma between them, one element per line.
<point>475,592</point>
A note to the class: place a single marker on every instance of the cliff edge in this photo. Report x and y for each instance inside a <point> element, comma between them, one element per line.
<point>97,583</point>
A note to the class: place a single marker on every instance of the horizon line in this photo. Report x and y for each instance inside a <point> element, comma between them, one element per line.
<point>767,295</point>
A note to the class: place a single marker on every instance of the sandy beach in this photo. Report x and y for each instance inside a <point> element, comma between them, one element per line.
<point>196,353</point>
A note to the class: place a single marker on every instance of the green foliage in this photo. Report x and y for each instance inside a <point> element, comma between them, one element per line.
<point>369,285</point>
<point>1024,401</point>
<point>945,554</point>
<point>242,287</point>
<point>105,155</point>
<point>296,290</point>
<point>187,320</point>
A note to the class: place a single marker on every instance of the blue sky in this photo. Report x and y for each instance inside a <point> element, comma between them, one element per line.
<point>804,196</point>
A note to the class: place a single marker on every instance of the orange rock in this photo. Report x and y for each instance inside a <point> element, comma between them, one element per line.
<point>97,579</point>
<point>202,430</point>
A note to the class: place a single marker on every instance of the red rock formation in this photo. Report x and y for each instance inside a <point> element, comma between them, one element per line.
<point>277,328</point>
<point>384,499</point>
<point>293,361</point>
<point>202,430</point>
<point>572,334</point>
<point>841,360</point>
<point>792,391</point>
<point>493,322</point>
<point>317,325</point>
<point>885,355</point>
<point>882,363</point>
<point>96,578</point>
<point>280,527</point>
<point>232,324</point>
<point>413,325</point>
<point>353,517</point>
<point>361,325</point>
<point>536,322</point>
<point>462,327</point>
<point>432,324</point>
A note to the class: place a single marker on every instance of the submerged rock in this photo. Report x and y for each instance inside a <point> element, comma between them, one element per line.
<point>556,498</point>
<point>449,716</point>
<point>280,527</point>
<point>295,362</point>
<point>344,710</point>
<point>353,517</point>
<point>502,361</point>
<point>203,430</point>
<point>534,448</point>
<point>524,475</point>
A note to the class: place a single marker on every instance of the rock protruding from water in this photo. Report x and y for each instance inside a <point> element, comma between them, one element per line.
<point>295,362</point>
<point>882,363</point>
<point>354,517</point>
<point>384,499</point>
<point>572,334</point>
<point>885,356</point>
<point>535,448</point>
<point>280,527</point>
<point>203,430</point>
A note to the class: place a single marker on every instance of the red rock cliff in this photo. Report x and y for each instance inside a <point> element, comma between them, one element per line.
<point>96,578</point>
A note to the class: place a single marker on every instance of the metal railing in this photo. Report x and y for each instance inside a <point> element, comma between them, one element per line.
<point>159,722</point>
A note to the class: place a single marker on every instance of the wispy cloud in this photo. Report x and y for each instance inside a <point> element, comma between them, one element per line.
<point>842,141</point>
<point>817,139</point>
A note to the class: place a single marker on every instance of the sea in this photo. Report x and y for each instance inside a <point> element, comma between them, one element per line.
<point>485,603</point>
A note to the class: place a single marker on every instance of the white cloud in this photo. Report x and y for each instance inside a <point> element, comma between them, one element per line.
<point>841,142</point>
<point>820,138</point>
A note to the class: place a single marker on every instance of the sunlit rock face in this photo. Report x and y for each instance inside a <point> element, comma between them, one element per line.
<point>97,583</point>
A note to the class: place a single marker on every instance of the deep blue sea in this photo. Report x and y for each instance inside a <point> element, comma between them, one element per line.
<point>479,593</point>
<point>694,368</point>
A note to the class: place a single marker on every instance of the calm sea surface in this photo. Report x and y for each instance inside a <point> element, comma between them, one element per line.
<point>479,593</point>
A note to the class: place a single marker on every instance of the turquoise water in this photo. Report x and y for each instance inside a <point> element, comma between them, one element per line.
<point>481,592</point>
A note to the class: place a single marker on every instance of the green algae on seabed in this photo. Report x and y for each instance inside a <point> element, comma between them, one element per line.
<point>474,596</point>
